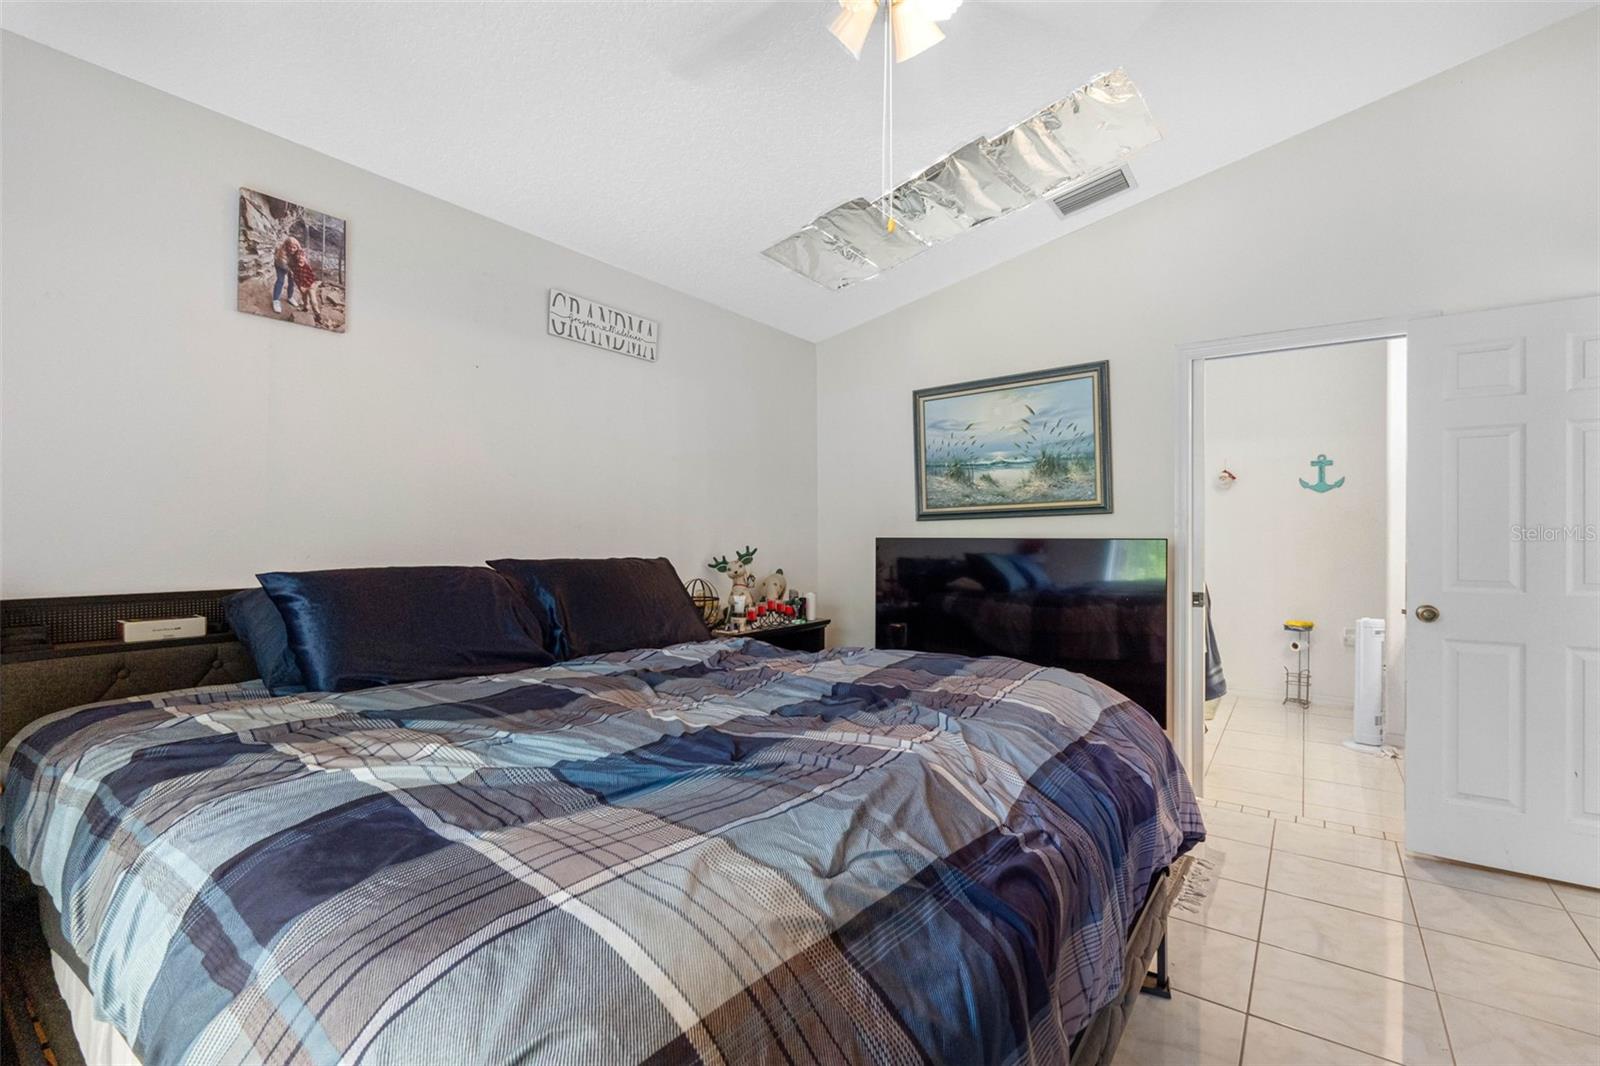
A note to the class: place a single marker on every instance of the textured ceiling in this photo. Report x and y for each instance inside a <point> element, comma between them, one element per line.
<point>677,140</point>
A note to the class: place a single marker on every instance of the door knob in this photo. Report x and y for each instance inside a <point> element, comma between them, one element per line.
<point>1427,613</point>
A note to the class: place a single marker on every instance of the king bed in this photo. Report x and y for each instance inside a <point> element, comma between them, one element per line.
<point>706,851</point>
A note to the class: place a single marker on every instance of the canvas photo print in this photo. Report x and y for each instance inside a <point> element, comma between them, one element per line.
<point>1037,443</point>
<point>291,262</point>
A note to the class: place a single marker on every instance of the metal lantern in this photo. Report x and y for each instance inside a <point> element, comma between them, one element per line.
<point>705,600</point>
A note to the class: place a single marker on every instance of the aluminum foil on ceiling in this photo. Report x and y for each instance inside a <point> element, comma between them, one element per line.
<point>1094,129</point>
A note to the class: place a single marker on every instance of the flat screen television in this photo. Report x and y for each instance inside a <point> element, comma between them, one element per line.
<point>1094,605</point>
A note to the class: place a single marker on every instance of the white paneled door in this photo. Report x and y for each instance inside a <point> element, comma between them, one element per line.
<point>1503,589</point>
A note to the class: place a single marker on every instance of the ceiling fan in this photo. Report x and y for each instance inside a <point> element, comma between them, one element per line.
<point>914,24</point>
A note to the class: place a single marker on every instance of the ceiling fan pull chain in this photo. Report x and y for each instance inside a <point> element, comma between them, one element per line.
<point>887,165</point>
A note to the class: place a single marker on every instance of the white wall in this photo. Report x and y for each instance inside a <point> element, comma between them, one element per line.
<point>1275,550</point>
<point>155,438</point>
<point>1394,637</point>
<point>1476,188</point>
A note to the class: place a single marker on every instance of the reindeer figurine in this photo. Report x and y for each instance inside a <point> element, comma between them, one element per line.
<point>739,573</point>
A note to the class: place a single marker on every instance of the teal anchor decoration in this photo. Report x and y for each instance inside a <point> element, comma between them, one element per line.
<point>1321,462</point>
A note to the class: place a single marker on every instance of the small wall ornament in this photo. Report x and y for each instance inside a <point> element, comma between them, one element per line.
<point>1322,484</point>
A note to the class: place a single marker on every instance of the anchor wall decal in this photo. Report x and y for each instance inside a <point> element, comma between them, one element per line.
<point>1321,462</point>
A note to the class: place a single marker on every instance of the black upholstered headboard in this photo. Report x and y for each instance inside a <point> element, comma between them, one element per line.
<point>62,652</point>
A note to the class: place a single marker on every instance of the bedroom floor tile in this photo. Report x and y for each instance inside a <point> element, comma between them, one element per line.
<point>1329,964</point>
<point>1495,920</point>
<point>1338,885</point>
<point>1181,1029</point>
<point>1579,900</point>
<point>1236,825</point>
<point>1231,907</point>
<point>1360,941</point>
<point>1270,1044</point>
<point>1209,963</point>
<point>1484,1036</point>
<point>1491,882</point>
<point>1337,845</point>
<point>1390,1019</point>
<point>1236,860</point>
<point>1530,985</point>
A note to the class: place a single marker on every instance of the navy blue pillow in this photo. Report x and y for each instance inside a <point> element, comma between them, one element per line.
<point>353,629</point>
<point>997,572</point>
<point>255,620</point>
<point>589,606</point>
<point>1032,571</point>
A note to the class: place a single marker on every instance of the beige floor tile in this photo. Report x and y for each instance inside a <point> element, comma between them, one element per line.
<point>1183,1029</point>
<point>1236,860</point>
<point>1338,846</point>
<point>1236,825</point>
<point>1262,742</point>
<point>1484,1036</point>
<point>1355,798</point>
<point>1530,985</point>
<point>1381,822</point>
<point>1270,1044</point>
<point>1277,762</point>
<point>1589,926</point>
<point>1361,941</point>
<point>1350,887</point>
<point>1231,906</point>
<point>1497,920</point>
<point>1579,900</point>
<point>1492,882</point>
<point>1209,963</point>
<point>1328,730</point>
<point>1261,782</point>
<point>1253,799</point>
<point>1390,1019</point>
<point>1280,725</point>
<point>1379,773</point>
<point>1328,752</point>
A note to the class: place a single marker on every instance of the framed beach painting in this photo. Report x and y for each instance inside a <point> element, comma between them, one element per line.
<point>1036,443</point>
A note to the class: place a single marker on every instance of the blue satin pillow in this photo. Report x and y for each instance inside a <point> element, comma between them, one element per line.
<point>589,606</point>
<point>353,629</point>
<point>255,620</point>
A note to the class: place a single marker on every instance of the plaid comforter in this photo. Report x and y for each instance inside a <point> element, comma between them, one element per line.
<point>719,852</point>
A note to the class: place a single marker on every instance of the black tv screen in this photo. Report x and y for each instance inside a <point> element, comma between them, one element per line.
<point>1096,606</point>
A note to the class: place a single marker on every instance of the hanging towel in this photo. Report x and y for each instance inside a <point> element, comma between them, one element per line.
<point>1216,684</point>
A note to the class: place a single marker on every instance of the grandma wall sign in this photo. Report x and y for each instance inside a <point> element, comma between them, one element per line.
<point>593,323</point>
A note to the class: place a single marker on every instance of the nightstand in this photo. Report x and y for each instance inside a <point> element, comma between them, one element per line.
<point>799,636</point>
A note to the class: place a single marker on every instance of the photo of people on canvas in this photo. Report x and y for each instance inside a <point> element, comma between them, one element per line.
<point>291,262</point>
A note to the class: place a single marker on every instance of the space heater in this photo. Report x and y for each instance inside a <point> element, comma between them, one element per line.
<point>1367,715</point>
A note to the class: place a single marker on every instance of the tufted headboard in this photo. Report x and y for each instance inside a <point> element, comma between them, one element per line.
<point>63,652</point>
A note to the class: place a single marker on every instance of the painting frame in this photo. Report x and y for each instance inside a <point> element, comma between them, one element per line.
<point>1098,374</point>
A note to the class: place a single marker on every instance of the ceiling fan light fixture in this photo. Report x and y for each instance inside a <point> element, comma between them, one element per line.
<point>852,24</point>
<point>937,10</point>
<point>1092,130</point>
<point>914,30</point>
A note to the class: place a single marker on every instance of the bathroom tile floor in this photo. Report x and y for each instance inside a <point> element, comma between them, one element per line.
<point>1322,941</point>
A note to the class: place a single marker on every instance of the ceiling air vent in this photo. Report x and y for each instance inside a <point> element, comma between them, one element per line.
<point>1080,196</point>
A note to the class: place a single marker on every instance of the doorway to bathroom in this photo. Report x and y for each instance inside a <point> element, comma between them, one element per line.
<point>1303,510</point>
